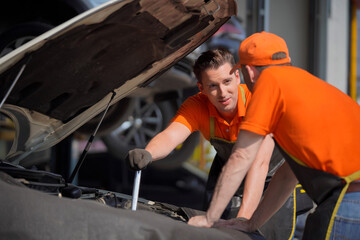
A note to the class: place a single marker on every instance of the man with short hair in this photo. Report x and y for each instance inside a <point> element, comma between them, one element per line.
<point>217,112</point>
<point>317,128</point>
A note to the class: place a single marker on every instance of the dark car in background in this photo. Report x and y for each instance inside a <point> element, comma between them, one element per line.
<point>229,36</point>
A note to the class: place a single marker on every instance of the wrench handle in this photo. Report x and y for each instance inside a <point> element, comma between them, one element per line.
<point>136,190</point>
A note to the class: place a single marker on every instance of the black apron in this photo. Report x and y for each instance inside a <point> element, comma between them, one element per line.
<point>326,190</point>
<point>223,151</point>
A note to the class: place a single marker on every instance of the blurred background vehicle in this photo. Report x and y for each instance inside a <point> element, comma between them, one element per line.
<point>229,36</point>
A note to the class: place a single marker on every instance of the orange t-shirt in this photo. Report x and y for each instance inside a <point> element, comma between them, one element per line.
<point>195,112</point>
<point>310,119</point>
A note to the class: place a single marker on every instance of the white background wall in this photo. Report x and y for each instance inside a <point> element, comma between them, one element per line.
<point>290,20</point>
<point>337,67</point>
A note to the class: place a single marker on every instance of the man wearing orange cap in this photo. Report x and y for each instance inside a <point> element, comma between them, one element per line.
<point>317,128</point>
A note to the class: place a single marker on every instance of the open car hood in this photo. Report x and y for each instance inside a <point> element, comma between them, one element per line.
<point>69,74</point>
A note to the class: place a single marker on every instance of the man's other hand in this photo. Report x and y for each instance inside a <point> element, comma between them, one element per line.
<point>200,221</point>
<point>138,159</point>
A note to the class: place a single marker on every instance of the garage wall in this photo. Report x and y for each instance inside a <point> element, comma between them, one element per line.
<point>290,20</point>
<point>317,34</point>
<point>241,10</point>
<point>337,60</point>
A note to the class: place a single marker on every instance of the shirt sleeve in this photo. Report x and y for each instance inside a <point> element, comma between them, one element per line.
<point>190,113</point>
<point>266,106</point>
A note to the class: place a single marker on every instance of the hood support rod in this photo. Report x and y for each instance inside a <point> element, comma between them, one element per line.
<point>13,84</point>
<point>87,147</point>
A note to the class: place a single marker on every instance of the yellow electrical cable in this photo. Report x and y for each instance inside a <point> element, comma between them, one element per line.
<point>353,51</point>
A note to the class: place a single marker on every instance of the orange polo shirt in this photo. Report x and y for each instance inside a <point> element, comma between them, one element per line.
<point>310,119</point>
<point>195,112</point>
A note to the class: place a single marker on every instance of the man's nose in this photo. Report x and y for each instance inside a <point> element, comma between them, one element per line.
<point>222,90</point>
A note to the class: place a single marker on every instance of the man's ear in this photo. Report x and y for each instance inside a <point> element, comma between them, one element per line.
<point>237,75</point>
<point>200,86</point>
<point>253,73</point>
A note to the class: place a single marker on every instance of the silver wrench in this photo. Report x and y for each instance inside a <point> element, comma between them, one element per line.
<point>136,190</point>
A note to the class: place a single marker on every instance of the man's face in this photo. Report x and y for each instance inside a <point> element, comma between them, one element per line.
<point>221,88</point>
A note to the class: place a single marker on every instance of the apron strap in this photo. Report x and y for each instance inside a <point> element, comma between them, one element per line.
<point>352,177</point>
<point>337,187</point>
<point>243,95</point>
<point>212,127</point>
<point>348,179</point>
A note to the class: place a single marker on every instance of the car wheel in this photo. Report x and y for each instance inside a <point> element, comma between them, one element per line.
<point>116,115</point>
<point>148,119</point>
<point>20,34</point>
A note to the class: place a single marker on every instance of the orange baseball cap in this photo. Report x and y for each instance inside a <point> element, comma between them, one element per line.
<point>259,50</point>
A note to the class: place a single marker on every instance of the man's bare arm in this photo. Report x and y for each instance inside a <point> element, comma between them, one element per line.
<point>281,186</point>
<point>232,174</point>
<point>167,140</point>
<point>255,179</point>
